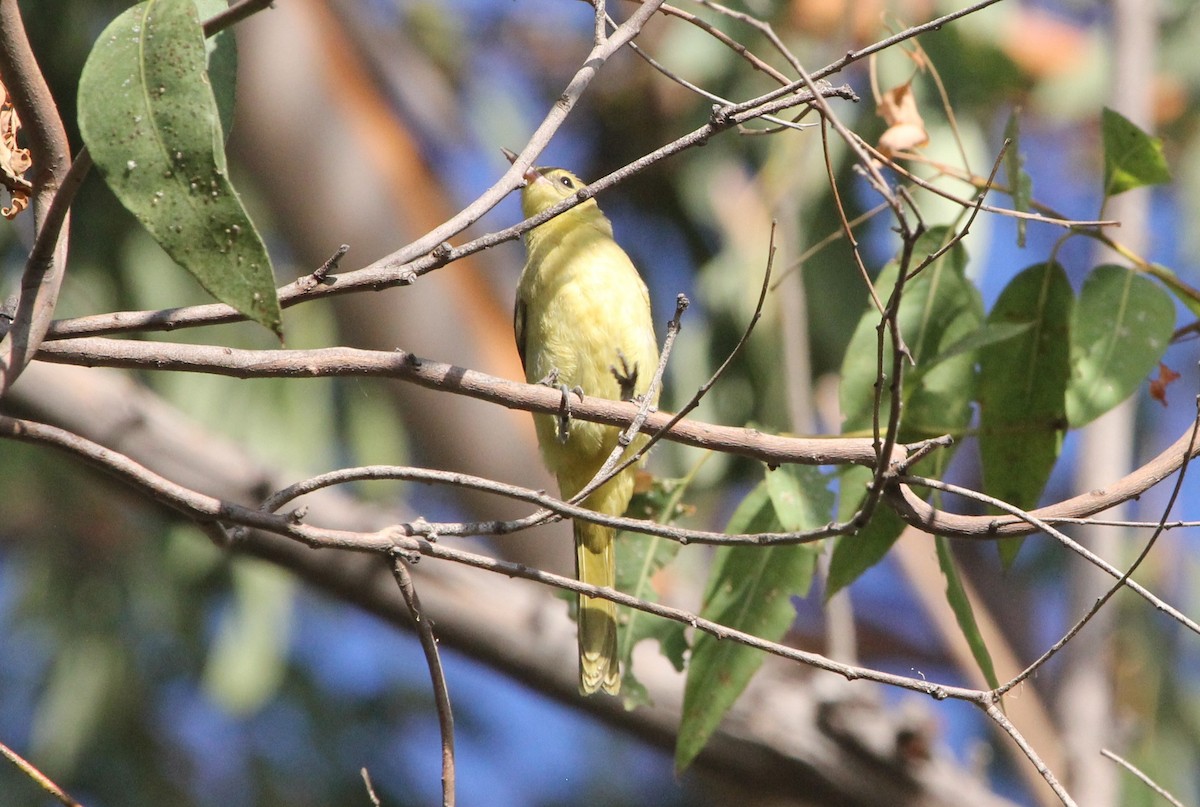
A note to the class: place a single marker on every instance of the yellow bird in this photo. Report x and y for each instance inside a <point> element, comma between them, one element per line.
<point>583,322</point>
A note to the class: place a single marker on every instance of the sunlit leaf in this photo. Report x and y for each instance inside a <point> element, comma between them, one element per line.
<point>1019,182</point>
<point>854,554</point>
<point>964,613</point>
<point>940,319</point>
<point>940,308</point>
<point>151,123</point>
<point>749,589</point>
<point>221,51</point>
<point>1132,158</point>
<point>1120,328</point>
<point>988,334</point>
<point>1022,388</point>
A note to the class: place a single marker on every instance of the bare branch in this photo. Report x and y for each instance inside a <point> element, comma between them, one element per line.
<point>993,711</point>
<point>924,516</point>
<point>46,264</point>
<point>1038,524</point>
<point>343,361</point>
<point>1140,774</point>
<point>437,676</point>
<point>42,780</point>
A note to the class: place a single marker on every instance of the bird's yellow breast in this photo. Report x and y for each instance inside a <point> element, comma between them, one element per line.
<point>582,306</point>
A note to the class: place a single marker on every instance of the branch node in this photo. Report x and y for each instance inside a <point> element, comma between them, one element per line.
<point>441,253</point>
<point>421,528</point>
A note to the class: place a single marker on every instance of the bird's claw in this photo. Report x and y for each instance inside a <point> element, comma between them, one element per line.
<point>626,377</point>
<point>564,417</point>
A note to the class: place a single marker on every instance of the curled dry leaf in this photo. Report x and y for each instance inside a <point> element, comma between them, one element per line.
<point>14,161</point>
<point>1158,386</point>
<point>906,128</point>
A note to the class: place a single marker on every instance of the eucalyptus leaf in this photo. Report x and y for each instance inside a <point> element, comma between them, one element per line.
<point>855,554</point>
<point>1019,182</point>
<point>939,308</point>
<point>750,589</point>
<point>1132,158</point>
<point>1120,328</point>
<point>221,50</point>
<point>1022,388</point>
<point>149,118</point>
<point>639,558</point>
<point>964,612</point>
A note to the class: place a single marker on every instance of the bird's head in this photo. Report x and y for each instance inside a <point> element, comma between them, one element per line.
<point>546,187</point>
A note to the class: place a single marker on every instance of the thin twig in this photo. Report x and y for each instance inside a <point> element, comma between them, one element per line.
<point>645,405</point>
<point>920,514</point>
<point>1140,774</point>
<point>42,780</point>
<point>858,55</point>
<point>1121,581</point>
<point>366,777</point>
<point>437,676</point>
<point>1070,224</point>
<point>548,504</point>
<point>998,717</point>
<point>1062,538</point>
<point>845,230</point>
<point>703,389</point>
<point>234,14</point>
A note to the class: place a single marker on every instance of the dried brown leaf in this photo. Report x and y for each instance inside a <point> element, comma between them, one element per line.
<point>906,128</point>
<point>1158,386</point>
<point>14,160</point>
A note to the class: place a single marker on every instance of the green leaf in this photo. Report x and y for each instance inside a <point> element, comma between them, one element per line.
<point>1019,182</point>
<point>963,612</point>
<point>1022,388</point>
<point>221,50</point>
<point>1132,158</point>
<point>639,559</point>
<point>940,316</point>
<point>940,308</point>
<point>854,554</point>
<point>987,334</point>
<point>1120,328</point>
<point>797,493</point>
<point>248,659</point>
<point>150,121</point>
<point>750,589</point>
<point>1187,295</point>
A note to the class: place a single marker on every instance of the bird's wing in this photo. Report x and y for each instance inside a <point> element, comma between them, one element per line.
<point>519,328</point>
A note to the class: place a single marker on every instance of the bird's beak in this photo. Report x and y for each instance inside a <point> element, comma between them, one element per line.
<point>530,174</point>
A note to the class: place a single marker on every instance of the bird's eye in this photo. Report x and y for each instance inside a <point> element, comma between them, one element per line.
<point>566,182</point>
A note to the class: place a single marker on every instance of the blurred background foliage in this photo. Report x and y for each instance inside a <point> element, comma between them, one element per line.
<point>143,666</point>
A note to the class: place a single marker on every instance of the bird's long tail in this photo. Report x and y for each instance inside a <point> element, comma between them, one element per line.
<point>595,564</point>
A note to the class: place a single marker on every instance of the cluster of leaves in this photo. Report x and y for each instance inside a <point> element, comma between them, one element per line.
<point>1042,361</point>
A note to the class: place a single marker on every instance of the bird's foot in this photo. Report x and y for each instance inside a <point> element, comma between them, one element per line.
<point>564,415</point>
<point>626,377</point>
